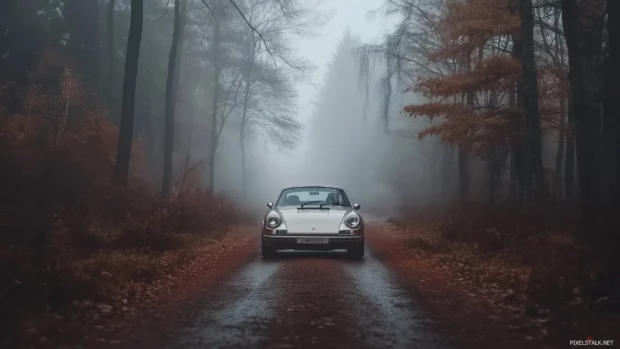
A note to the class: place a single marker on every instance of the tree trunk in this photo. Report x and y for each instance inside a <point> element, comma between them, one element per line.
<point>513,195</point>
<point>569,167</point>
<point>242,130</point>
<point>530,99</point>
<point>463,176</point>
<point>559,159</point>
<point>612,103</point>
<point>125,138</point>
<point>518,181</point>
<point>214,107</point>
<point>583,41</point>
<point>491,183</point>
<point>97,49</point>
<point>463,147</point>
<point>446,174</point>
<point>387,94</point>
<point>244,177</point>
<point>559,163</point>
<point>111,69</point>
<point>171,89</point>
<point>251,55</point>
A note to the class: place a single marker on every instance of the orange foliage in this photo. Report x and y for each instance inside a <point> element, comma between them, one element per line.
<point>57,155</point>
<point>473,32</point>
<point>494,73</point>
<point>60,118</point>
<point>434,110</point>
<point>477,21</point>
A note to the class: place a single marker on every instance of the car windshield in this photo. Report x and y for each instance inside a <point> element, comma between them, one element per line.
<point>313,196</point>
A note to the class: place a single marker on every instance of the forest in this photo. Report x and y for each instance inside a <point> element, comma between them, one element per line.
<point>134,137</point>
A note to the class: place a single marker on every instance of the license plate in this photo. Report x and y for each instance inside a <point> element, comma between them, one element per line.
<point>313,241</point>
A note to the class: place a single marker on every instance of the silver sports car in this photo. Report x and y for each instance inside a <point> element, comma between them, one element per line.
<point>316,217</point>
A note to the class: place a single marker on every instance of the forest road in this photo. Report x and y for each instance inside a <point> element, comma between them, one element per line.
<point>307,300</point>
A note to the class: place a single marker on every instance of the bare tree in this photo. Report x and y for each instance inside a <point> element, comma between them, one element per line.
<point>171,88</point>
<point>583,26</point>
<point>530,96</point>
<point>268,96</point>
<point>110,41</point>
<point>125,138</point>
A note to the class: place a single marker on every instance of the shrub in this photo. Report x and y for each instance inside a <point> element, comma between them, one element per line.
<point>67,233</point>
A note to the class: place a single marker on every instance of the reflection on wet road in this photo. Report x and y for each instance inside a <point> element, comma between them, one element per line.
<point>235,311</point>
<point>310,300</point>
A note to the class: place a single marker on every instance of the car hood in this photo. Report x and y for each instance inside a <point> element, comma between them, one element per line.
<point>312,221</point>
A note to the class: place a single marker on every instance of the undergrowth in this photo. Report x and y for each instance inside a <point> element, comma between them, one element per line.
<point>67,234</point>
<point>541,259</point>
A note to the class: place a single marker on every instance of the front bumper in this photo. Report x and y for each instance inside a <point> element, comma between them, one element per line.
<point>335,241</point>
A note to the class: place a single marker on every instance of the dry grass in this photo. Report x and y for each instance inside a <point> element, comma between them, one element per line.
<point>466,258</point>
<point>535,269</point>
<point>540,263</point>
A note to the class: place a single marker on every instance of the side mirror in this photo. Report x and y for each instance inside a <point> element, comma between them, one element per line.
<point>357,206</point>
<point>270,205</point>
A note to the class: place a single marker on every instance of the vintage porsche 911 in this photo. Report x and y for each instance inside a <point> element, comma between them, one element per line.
<point>314,217</point>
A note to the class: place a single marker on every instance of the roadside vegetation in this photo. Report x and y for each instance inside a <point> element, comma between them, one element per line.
<point>68,234</point>
<point>102,199</point>
<point>532,267</point>
<point>522,96</point>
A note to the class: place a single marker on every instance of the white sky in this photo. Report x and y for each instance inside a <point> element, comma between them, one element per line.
<point>355,15</point>
<point>351,14</point>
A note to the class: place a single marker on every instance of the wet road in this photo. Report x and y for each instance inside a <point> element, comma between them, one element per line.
<point>308,300</point>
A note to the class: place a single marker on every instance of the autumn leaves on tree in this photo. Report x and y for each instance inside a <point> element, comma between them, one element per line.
<point>510,87</point>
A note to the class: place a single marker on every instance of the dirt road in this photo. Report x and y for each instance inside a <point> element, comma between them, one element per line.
<point>303,300</point>
<point>313,300</point>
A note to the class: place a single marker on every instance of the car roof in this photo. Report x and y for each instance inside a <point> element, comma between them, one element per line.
<point>314,186</point>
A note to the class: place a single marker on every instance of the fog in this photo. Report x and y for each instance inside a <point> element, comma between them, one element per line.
<point>345,143</point>
<point>297,101</point>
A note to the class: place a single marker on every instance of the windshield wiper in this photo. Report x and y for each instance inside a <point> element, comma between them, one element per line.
<point>326,203</point>
<point>310,202</point>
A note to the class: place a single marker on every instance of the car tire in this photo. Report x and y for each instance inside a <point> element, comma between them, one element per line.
<point>356,252</point>
<point>268,252</point>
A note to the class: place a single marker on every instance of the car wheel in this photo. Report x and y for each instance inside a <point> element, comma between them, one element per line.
<point>268,252</point>
<point>356,252</point>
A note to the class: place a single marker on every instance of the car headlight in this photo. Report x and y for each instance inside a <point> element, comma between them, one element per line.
<point>352,220</point>
<point>273,219</point>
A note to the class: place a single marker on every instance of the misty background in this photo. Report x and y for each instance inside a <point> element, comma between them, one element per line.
<point>269,94</point>
<point>343,138</point>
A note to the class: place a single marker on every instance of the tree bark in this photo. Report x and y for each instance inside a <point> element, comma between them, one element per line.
<point>530,100</point>
<point>559,159</point>
<point>583,40</point>
<point>214,107</point>
<point>125,138</point>
<point>559,164</point>
<point>517,179</point>
<point>569,167</point>
<point>387,94</point>
<point>111,68</point>
<point>463,176</point>
<point>612,103</point>
<point>242,134</point>
<point>251,56</point>
<point>171,91</point>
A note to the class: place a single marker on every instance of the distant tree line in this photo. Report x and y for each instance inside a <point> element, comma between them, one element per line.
<point>505,82</point>
<point>167,71</point>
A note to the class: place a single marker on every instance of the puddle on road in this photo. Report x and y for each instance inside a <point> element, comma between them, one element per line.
<point>392,313</point>
<point>244,305</point>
